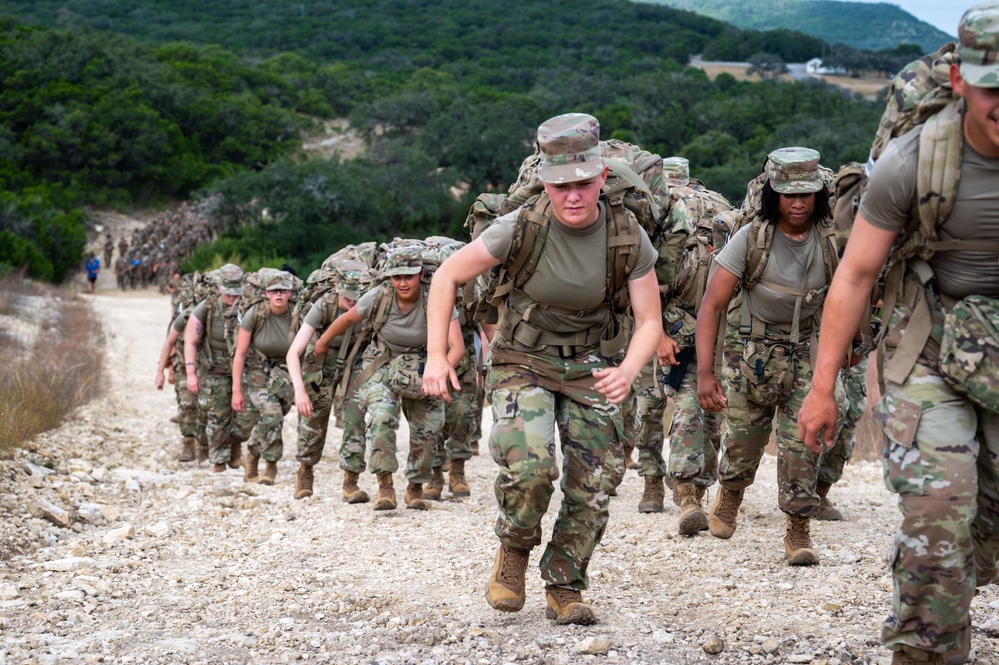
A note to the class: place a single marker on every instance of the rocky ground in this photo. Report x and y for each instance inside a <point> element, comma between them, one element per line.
<point>113,552</point>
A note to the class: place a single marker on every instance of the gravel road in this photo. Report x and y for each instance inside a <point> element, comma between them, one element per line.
<point>120,554</point>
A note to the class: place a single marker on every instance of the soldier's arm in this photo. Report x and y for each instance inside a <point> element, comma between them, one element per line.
<point>455,343</point>
<point>295,351</point>
<point>243,339</point>
<point>615,382</point>
<point>717,294</point>
<point>168,345</point>
<point>337,328</point>
<point>842,312</point>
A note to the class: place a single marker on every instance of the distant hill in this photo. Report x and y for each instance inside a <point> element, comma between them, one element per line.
<point>873,26</point>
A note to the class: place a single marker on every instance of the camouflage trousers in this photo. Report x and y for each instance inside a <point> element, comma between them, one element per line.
<point>748,424</point>
<point>222,424</point>
<point>190,420</point>
<point>312,430</point>
<point>616,463</point>
<point>941,457</point>
<point>270,391</point>
<point>851,408</point>
<point>694,434</point>
<point>651,411</point>
<point>532,394</point>
<point>426,420</point>
<point>350,420</point>
<point>455,440</point>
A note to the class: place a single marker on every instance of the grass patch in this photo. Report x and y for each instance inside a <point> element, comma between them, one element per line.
<point>46,375</point>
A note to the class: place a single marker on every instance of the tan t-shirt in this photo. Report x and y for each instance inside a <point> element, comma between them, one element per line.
<point>785,266</point>
<point>571,272</point>
<point>215,336</point>
<point>890,201</point>
<point>272,340</point>
<point>401,332</point>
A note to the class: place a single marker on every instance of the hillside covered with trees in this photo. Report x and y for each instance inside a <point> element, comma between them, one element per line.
<point>138,103</point>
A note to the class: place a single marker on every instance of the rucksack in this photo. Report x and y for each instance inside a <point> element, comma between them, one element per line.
<point>686,248</point>
<point>254,290</point>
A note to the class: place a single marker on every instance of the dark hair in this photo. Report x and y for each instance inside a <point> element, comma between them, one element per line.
<point>770,204</point>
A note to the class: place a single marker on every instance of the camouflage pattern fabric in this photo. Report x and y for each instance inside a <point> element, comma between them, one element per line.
<point>350,419</point>
<point>269,389</point>
<point>941,457</point>
<point>532,394</point>
<point>650,412</point>
<point>969,350</point>
<point>320,387</point>
<point>425,417</point>
<point>222,424</point>
<point>187,402</point>
<point>748,426</point>
<point>694,434</point>
<point>455,441</point>
<point>617,465</point>
<point>851,408</point>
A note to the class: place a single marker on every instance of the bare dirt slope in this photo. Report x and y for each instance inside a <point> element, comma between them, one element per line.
<point>165,562</point>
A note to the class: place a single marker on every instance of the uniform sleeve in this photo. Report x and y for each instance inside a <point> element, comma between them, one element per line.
<point>732,257</point>
<point>315,316</point>
<point>891,191</point>
<point>647,256</point>
<point>199,311</point>
<point>366,304</point>
<point>180,323</point>
<point>499,236</point>
<point>247,323</point>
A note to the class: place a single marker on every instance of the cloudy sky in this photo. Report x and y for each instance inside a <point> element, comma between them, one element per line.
<point>943,14</point>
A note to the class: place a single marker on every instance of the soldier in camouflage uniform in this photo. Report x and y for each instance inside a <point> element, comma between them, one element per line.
<point>549,369</point>
<point>767,367</point>
<point>317,382</point>
<point>941,446</point>
<point>259,368</point>
<point>391,374</point>
<point>208,342</point>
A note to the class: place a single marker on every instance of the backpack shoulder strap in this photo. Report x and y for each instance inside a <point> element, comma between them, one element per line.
<point>941,149</point>
<point>758,247</point>
<point>623,245</point>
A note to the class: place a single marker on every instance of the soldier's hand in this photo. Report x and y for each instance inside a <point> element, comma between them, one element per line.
<point>613,384</point>
<point>438,376</point>
<point>238,404</point>
<point>817,421</point>
<point>303,403</point>
<point>320,348</point>
<point>710,394</point>
<point>193,385</point>
<point>668,348</point>
<point>159,380</point>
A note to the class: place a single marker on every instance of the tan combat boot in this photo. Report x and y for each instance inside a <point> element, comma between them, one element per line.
<point>250,462</point>
<point>506,589</point>
<point>671,484</point>
<point>798,543</point>
<point>235,454</point>
<point>187,446</point>
<point>652,497</point>
<point>475,448</point>
<point>386,493</point>
<point>202,452</point>
<point>269,474</point>
<point>351,492</point>
<point>433,489</point>
<point>303,481</point>
<point>219,467</point>
<point>456,479</point>
<point>414,497</point>
<point>827,512</point>
<point>724,512</point>
<point>692,516</point>
<point>566,606</point>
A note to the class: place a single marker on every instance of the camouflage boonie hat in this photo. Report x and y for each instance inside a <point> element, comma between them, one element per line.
<point>403,261</point>
<point>279,280</point>
<point>230,278</point>
<point>978,48</point>
<point>350,279</point>
<point>794,171</point>
<point>570,149</point>
<point>676,170</point>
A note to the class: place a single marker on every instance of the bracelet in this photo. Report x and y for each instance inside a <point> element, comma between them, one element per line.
<point>188,364</point>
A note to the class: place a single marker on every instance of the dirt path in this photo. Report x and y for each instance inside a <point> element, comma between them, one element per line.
<point>167,563</point>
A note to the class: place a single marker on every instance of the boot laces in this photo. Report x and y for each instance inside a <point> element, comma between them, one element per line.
<point>564,596</point>
<point>729,504</point>
<point>511,569</point>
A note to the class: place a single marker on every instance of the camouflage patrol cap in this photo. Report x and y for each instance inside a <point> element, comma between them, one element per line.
<point>978,34</point>
<point>230,278</point>
<point>676,170</point>
<point>570,148</point>
<point>794,171</point>
<point>350,279</point>
<point>280,280</point>
<point>403,261</point>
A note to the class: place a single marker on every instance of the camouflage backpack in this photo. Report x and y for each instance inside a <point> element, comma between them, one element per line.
<point>635,182</point>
